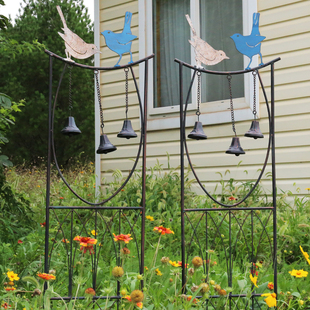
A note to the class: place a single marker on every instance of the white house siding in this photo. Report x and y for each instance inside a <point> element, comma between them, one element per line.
<point>286,27</point>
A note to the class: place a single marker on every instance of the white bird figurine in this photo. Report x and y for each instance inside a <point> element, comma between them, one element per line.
<point>75,46</point>
<point>205,53</point>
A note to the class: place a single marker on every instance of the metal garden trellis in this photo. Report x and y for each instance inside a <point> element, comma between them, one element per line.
<point>93,213</point>
<point>229,210</point>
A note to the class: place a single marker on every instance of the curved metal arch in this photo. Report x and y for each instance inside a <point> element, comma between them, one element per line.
<point>141,130</point>
<point>184,125</point>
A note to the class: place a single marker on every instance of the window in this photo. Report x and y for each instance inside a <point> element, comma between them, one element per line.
<point>166,35</point>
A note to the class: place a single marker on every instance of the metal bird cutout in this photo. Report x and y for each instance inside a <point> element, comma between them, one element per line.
<point>250,45</point>
<point>75,46</point>
<point>204,52</point>
<point>120,43</point>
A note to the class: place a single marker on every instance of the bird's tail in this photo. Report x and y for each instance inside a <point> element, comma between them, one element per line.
<point>191,24</point>
<point>61,16</point>
<point>255,27</point>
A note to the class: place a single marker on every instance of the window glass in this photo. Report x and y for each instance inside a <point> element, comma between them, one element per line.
<point>218,21</point>
<point>171,34</point>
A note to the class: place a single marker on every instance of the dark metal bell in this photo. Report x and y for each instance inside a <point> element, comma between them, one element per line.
<point>197,133</point>
<point>254,131</point>
<point>127,131</point>
<point>71,129</point>
<point>105,145</point>
<point>235,147</point>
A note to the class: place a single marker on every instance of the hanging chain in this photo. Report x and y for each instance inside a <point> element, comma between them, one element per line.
<point>198,94</point>
<point>70,91</point>
<point>99,100</point>
<point>126,90</point>
<point>231,105</point>
<point>254,93</point>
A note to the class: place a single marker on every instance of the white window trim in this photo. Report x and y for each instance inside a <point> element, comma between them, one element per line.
<point>212,112</point>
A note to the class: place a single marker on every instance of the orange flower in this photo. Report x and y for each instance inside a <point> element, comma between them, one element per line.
<point>139,305</point>
<point>10,288</point>
<point>19,242</point>
<point>122,238</point>
<point>232,198</point>
<point>189,298</point>
<point>162,230</point>
<point>46,276</point>
<point>128,298</point>
<point>43,224</point>
<point>90,291</point>
<point>86,243</point>
<point>5,305</point>
<point>180,264</point>
<point>65,240</point>
<point>61,198</point>
<point>270,286</point>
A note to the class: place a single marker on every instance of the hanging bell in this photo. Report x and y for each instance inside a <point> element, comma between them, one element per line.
<point>197,133</point>
<point>105,145</point>
<point>254,131</point>
<point>235,147</point>
<point>127,131</point>
<point>71,129</point>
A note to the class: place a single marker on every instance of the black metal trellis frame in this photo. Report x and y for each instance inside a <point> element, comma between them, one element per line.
<point>232,208</point>
<point>96,209</point>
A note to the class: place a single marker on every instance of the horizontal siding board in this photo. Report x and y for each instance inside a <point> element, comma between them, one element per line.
<point>285,13</point>
<point>287,28</point>
<point>117,25</point>
<point>290,75</point>
<point>267,4</point>
<point>289,59</point>
<point>118,101</point>
<point>115,12</point>
<point>282,45</point>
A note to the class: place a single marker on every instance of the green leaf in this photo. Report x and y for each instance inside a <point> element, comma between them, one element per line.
<point>4,160</point>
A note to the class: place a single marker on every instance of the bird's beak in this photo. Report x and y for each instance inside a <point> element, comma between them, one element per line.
<point>226,57</point>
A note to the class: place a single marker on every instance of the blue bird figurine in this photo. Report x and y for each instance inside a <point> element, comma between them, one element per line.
<point>120,43</point>
<point>250,45</point>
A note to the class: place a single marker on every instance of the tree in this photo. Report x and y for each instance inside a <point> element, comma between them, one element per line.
<point>27,77</point>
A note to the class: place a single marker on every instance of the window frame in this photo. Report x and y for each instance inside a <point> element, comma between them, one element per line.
<point>215,112</point>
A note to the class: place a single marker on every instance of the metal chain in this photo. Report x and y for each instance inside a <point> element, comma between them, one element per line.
<point>231,105</point>
<point>198,94</point>
<point>99,100</point>
<point>254,93</point>
<point>126,90</point>
<point>70,91</point>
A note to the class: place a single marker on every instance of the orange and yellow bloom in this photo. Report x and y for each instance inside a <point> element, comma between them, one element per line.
<point>298,273</point>
<point>86,243</point>
<point>12,276</point>
<point>122,238</point>
<point>271,300</point>
<point>162,230</point>
<point>46,276</point>
<point>253,280</point>
<point>270,286</point>
<point>150,218</point>
<point>305,254</point>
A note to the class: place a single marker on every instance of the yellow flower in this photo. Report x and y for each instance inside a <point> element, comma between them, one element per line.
<point>271,300</point>
<point>308,189</point>
<point>174,264</point>
<point>158,272</point>
<point>151,218</point>
<point>94,233</point>
<point>305,254</point>
<point>12,276</point>
<point>298,273</point>
<point>253,280</point>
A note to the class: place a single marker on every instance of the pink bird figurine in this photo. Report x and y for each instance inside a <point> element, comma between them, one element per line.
<point>204,52</point>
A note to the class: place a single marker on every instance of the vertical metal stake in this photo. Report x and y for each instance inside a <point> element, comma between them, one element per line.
<point>48,170</point>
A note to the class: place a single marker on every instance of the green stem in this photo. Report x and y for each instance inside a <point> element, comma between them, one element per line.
<point>154,261</point>
<point>76,296</point>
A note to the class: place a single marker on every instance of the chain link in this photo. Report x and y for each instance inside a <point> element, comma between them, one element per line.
<point>99,100</point>
<point>126,90</point>
<point>198,94</point>
<point>254,73</point>
<point>70,91</point>
<point>229,77</point>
